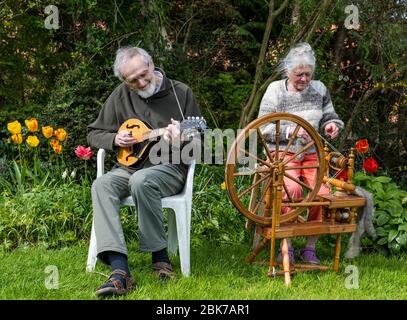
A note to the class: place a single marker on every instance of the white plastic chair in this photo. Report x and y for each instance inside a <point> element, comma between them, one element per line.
<point>178,228</point>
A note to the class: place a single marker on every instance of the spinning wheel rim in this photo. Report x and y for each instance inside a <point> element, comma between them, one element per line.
<point>231,165</point>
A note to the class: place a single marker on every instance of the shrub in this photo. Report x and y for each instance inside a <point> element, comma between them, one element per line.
<point>391,211</point>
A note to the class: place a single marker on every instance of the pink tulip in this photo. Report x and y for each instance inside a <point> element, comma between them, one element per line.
<point>83,153</point>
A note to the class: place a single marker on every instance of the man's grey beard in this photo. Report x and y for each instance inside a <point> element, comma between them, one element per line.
<point>150,90</point>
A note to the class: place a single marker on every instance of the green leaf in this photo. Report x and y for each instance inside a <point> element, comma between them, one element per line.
<point>396,221</point>
<point>402,227</point>
<point>383,179</point>
<point>392,235</point>
<point>381,232</point>
<point>395,203</point>
<point>395,212</point>
<point>382,219</point>
<point>394,247</point>
<point>377,186</point>
<point>382,241</point>
<point>402,239</point>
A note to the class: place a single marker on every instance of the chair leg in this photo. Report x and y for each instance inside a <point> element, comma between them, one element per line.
<point>172,233</point>
<point>92,253</point>
<point>183,232</point>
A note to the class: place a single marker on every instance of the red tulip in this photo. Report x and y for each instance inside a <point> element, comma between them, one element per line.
<point>362,146</point>
<point>83,153</point>
<point>370,165</point>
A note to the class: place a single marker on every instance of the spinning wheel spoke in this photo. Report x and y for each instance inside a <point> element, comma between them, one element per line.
<point>301,167</point>
<point>241,194</point>
<point>298,181</point>
<point>277,138</point>
<point>287,193</point>
<point>309,145</point>
<point>262,195</point>
<point>263,141</point>
<point>290,142</point>
<point>247,153</point>
<point>259,170</point>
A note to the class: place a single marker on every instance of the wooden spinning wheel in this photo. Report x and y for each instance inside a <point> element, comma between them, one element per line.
<point>259,167</point>
<point>271,167</point>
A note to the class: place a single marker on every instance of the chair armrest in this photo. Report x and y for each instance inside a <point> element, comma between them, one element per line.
<point>100,163</point>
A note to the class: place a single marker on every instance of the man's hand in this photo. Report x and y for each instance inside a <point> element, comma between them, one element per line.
<point>172,131</point>
<point>124,139</point>
<point>331,130</point>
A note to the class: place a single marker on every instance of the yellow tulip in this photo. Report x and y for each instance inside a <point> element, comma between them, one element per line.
<point>17,138</point>
<point>57,148</point>
<point>47,131</point>
<point>223,185</point>
<point>33,141</point>
<point>14,127</point>
<point>32,124</point>
<point>61,134</point>
<point>54,143</point>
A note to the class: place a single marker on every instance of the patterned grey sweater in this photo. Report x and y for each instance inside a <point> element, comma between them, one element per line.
<point>313,104</point>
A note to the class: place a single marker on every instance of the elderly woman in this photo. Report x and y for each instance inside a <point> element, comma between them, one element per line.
<point>309,99</point>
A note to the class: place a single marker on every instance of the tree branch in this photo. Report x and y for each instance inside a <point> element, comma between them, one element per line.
<point>362,100</point>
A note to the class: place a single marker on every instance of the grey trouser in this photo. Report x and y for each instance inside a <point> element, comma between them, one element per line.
<point>147,187</point>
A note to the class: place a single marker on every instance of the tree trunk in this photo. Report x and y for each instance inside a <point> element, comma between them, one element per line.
<point>307,32</point>
<point>296,14</point>
<point>247,109</point>
<point>156,34</point>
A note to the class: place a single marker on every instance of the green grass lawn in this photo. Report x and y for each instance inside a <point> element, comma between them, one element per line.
<point>217,273</point>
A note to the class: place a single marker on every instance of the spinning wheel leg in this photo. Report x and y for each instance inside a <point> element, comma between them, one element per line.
<point>257,250</point>
<point>286,263</point>
<point>337,253</point>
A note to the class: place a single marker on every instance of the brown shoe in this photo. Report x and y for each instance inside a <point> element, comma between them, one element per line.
<point>114,287</point>
<point>164,270</point>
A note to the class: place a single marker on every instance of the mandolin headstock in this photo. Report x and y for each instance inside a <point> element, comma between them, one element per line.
<point>192,126</point>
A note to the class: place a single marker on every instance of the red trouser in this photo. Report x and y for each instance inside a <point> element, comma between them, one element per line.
<point>308,177</point>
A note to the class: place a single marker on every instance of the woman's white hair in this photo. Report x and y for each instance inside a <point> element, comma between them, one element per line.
<point>124,54</point>
<point>301,54</point>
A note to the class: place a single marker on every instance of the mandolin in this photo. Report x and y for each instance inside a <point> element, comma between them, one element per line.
<point>146,137</point>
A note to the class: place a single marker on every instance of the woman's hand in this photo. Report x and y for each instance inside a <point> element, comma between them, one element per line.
<point>301,133</point>
<point>331,130</point>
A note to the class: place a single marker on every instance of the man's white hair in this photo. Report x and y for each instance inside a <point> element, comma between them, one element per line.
<point>300,55</point>
<point>124,54</point>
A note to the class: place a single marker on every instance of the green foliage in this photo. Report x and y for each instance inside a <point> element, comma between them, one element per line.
<point>228,92</point>
<point>76,102</point>
<point>213,216</point>
<point>218,272</point>
<point>391,211</point>
<point>53,215</point>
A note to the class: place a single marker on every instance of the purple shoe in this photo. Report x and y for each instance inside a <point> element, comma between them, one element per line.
<point>309,255</point>
<point>290,256</point>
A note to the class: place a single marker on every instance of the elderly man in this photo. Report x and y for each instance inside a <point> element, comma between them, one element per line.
<point>148,95</point>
